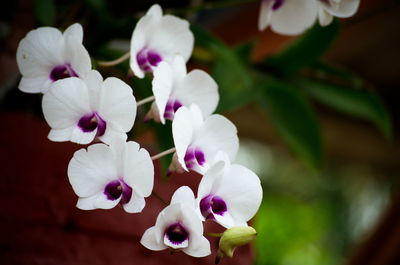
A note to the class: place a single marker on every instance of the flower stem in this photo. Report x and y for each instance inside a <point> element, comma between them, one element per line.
<point>144,101</point>
<point>116,61</point>
<point>167,152</point>
<point>159,197</point>
<point>213,234</point>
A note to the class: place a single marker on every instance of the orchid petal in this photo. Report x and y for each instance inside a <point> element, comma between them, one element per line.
<point>162,87</point>
<point>66,103</point>
<point>136,204</point>
<point>172,36</point>
<point>97,201</point>
<point>139,36</point>
<point>74,31</point>
<point>199,247</point>
<point>242,192</point>
<point>199,88</point>
<point>138,169</point>
<point>89,171</point>
<point>265,15</point>
<point>344,9</point>
<point>218,134</point>
<point>183,195</point>
<point>294,17</point>
<point>117,105</point>
<point>182,131</point>
<point>149,240</point>
<point>324,17</point>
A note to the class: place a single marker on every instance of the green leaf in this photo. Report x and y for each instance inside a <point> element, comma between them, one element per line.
<point>45,12</point>
<point>305,50</point>
<point>229,71</point>
<point>294,119</point>
<point>334,72</point>
<point>235,84</point>
<point>358,103</point>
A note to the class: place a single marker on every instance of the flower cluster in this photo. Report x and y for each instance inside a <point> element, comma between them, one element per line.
<point>291,17</point>
<point>82,107</point>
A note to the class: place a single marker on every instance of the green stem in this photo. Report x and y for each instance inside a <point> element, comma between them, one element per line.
<point>213,234</point>
<point>159,198</point>
<point>116,61</point>
<point>169,151</point>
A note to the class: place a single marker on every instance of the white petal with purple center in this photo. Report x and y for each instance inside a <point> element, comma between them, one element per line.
<point>177,227</point>
<point>198,142</point>
<point>100,178</point>
<point>289,17</point>
<point>80,110</point>
<point>229,194</point>
<point>158,38</point>
<point>173,88</point>
<point>46,55</point>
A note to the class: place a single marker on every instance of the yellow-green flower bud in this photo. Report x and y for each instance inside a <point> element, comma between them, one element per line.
<point>234,237</point>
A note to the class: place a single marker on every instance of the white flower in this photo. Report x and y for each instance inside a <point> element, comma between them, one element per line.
<point>197,141</point>
<point>158,38</point>
<point>229,194</point>
<point>173,88</point>
<point>104,176</point>
<point>46,55</point>
<point>339,8</point>
<point>289,17</point>
<point>178,227</point>
<point>79,110</point>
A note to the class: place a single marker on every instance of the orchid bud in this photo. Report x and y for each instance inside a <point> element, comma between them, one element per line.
<point>232,238</point>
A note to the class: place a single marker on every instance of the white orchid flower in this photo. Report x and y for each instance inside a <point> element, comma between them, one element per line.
<point>197,140</point>
<point>173,87</point>
<point>104,176</point>
<point>336,8</point>
<point>288,17</point>
<point>158,38</point>
<point>229,194</point>
<point>46,55</point>
<point>178,227</point>
<point>80,110</point>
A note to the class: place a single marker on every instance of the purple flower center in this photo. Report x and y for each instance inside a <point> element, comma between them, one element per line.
<point>193,157</point>
<point>276,4</point>
<point>171,108</point>
<point>116,189</point>
<point>90,122</point>
<point>176,233</point>
<point>62,71</point>
<point>147,59</point>
<point>212,204</point>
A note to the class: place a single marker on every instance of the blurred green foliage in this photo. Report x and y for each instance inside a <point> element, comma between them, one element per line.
<point>45,12</point>
<point>229,71</point>
<point>284,104</point>
<point>310,218</point>
<point>358,103</point>
<point>305,50</point>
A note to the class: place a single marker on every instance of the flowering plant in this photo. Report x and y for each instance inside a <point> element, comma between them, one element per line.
<point>82,107</point>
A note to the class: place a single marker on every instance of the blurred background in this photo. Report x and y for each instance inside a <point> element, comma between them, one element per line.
<point>317,115</point>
